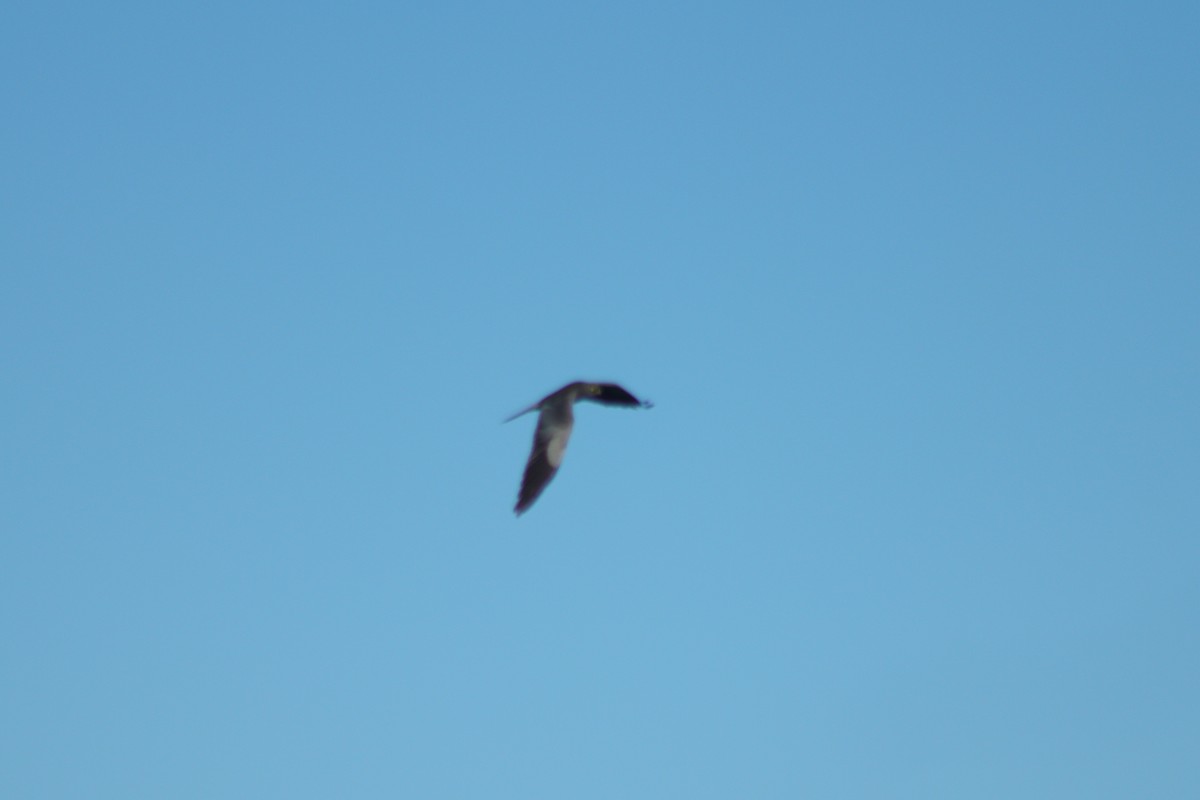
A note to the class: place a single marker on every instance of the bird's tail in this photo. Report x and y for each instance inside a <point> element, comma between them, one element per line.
<point>522,412</point>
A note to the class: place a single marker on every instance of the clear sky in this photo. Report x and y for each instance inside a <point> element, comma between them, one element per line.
<point>915,288</point>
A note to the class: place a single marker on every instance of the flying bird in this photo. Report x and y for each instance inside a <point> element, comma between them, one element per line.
<point>555,420</point>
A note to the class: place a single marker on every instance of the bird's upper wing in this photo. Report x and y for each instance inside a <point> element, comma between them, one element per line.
<point>613,395</point>
<point>549,445</point>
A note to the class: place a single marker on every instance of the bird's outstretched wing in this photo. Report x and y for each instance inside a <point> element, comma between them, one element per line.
<point>610,394</point>
<point>549,445</point>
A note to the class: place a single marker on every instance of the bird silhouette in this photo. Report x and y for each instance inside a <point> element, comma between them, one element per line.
<point>555,421</point>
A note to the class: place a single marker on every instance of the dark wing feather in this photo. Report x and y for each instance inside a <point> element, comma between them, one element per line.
<point>613,395</point>
<point>549,445</point>
<point>538,473</point>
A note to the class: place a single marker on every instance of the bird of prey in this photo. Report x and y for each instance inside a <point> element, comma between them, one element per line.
<point>555,420</point>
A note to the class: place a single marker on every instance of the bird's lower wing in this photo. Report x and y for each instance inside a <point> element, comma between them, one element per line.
<point>549,445</point>
<point>538,474</point>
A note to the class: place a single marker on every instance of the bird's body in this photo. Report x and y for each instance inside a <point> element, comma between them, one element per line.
<point>556,419</point>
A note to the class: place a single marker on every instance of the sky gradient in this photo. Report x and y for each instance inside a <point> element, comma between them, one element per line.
<point>915,291</point>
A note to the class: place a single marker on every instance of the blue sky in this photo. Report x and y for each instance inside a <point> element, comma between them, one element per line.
<point>914,288</point>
